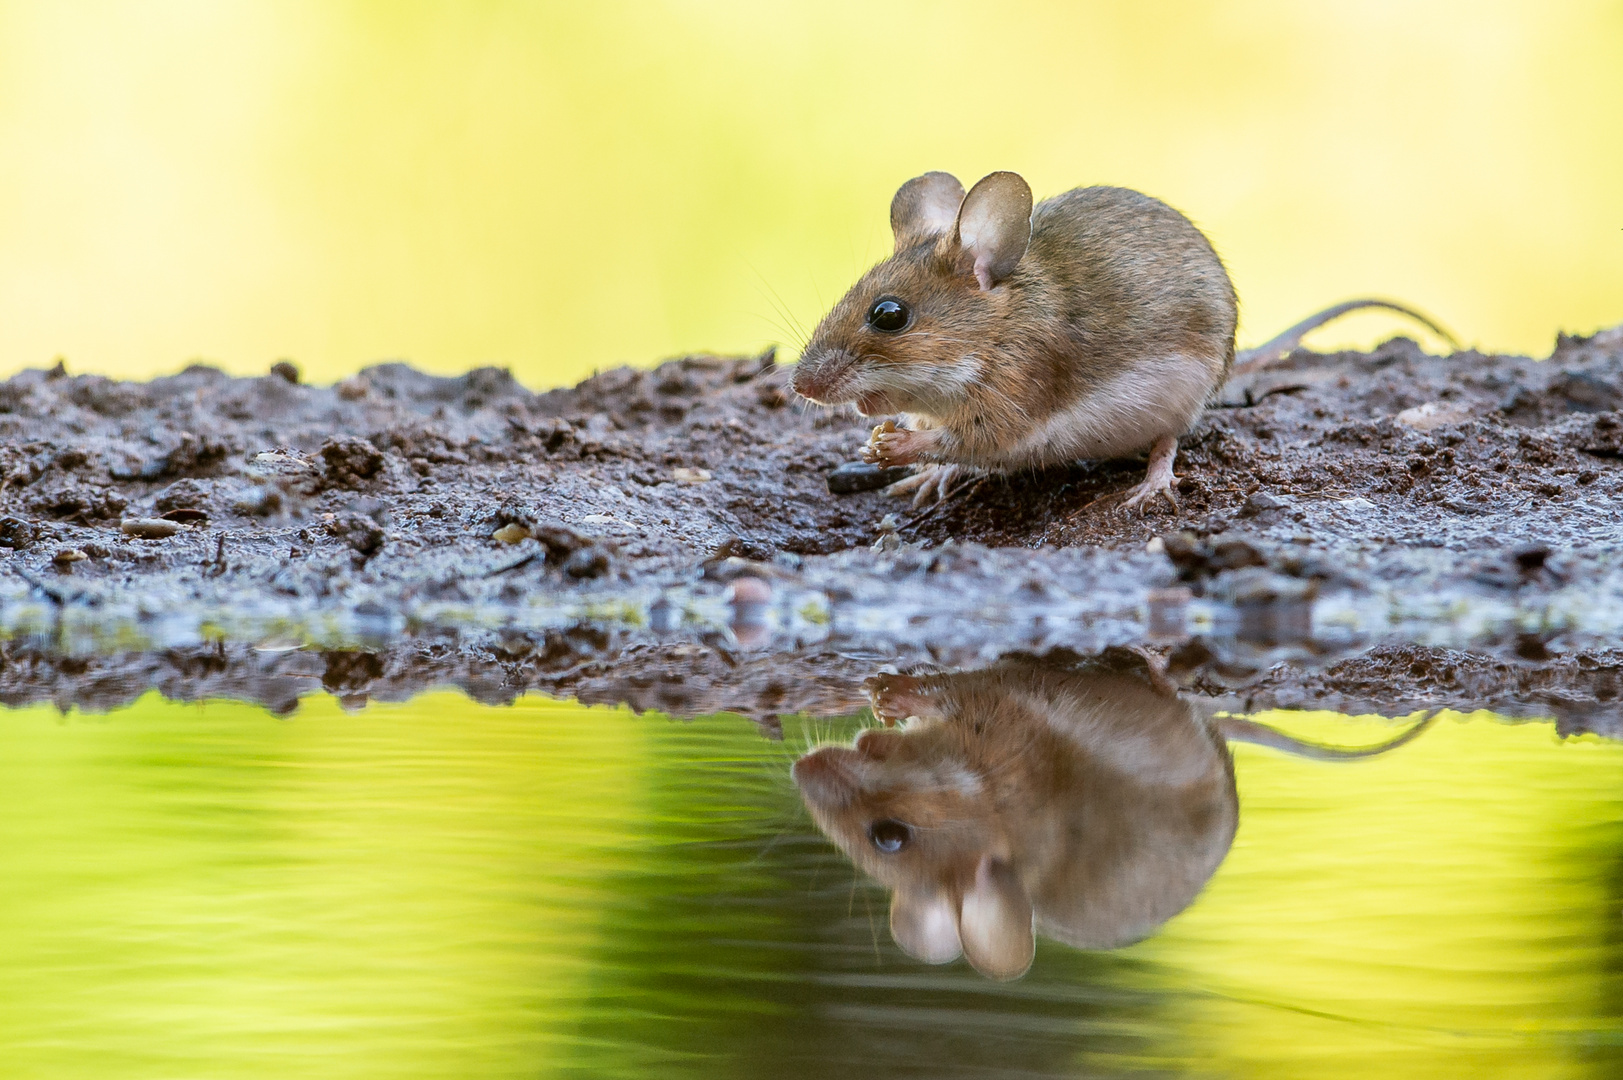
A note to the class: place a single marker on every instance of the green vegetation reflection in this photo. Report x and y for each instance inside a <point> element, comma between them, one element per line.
<point>445,889</point>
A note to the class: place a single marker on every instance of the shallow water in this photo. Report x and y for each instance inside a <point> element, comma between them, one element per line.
<point>441,888</point>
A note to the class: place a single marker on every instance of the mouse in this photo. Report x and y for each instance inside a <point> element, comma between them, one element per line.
<point>1009,335</point>
<point>1084,800</point>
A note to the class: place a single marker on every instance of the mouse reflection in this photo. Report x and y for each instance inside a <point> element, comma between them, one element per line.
<point>1087,802</point>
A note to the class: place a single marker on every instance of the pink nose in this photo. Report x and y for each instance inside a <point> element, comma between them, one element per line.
<point>805,384</point>
<point>824,776</point>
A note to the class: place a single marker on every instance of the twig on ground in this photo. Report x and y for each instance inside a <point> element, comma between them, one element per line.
<point>966,488</point>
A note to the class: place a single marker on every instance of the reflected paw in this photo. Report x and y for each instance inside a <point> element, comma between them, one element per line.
<point>895,697</point>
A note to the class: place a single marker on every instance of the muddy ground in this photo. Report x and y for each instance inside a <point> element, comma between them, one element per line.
<point>1375,531</point>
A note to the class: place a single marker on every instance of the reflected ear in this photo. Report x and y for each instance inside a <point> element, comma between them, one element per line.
<point>925,927</point>
<point>994,922</point>
<point>994,226</point>
<point>925,206</point>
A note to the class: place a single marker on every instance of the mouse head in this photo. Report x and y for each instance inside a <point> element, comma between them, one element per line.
<point>910,812</point>
<point>903,338</point>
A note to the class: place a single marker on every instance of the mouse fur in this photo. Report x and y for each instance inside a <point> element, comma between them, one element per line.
<point>1094,325</point>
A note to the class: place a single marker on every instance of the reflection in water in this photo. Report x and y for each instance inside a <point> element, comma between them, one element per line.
<point>1088,802</point>
<point>442,889</point>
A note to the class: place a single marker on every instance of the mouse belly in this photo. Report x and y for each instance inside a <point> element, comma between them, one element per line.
<point>1122,415</point>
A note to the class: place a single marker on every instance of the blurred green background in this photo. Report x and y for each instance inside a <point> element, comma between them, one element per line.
<point>560,187</point>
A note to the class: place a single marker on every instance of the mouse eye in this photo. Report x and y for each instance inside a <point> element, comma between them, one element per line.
<point>889,315</point>
<point>890,835</point>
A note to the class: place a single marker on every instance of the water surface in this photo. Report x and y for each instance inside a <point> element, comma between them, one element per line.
<point>446,889</point>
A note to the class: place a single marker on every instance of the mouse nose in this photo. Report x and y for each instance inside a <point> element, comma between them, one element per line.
<point>822,373</point>
<point>825,777</point>
<point>805,382</point>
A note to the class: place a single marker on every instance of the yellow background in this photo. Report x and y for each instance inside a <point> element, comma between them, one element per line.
<point>560,187</point>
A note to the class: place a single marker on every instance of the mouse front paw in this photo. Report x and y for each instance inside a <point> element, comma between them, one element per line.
<point>896,697</point>
<point>890,446</point>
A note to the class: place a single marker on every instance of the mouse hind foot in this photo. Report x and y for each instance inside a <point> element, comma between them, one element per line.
<point>1159,482</point>
<point>931,484</point>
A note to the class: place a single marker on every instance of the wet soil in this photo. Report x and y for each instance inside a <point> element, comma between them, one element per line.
<point>1378,530</point>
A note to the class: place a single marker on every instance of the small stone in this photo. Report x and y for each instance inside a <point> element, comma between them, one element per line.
<point>16,533</point>
<point>887,540</point>
<point>749,590</point>
<point>1433,414</point>
<point>364,535</point>
<point>282,461</point>
<point>354,388</point>
<point>511,533</point>
<point>350,460</point>
<point>1260,502</point>
<point>148,528</point>
<point>588,562</point>
<point>68,556</point>
<point>856,476</point>
<point>690,476</point>
<point>285,369</point>
<point>258,502</point>
<point>185,515</point>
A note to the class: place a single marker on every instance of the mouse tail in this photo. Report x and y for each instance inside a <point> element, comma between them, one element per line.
<point>1249,360</point>
<point>1238,729</point>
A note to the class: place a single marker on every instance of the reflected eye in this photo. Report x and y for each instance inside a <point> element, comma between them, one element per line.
<point>889,315</point>
<point>890,835</point>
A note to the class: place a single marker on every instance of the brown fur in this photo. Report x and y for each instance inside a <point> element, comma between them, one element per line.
<point>1111,279</point>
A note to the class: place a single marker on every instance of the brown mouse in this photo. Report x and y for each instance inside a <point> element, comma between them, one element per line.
<point>1097,324</point>
<point>1087,801</point>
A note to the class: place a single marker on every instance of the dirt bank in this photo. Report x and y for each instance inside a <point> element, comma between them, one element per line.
<point>1337,505</point>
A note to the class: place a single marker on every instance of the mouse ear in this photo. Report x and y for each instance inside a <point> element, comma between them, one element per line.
<point>994,922</point>
<point>925,206</point>
<point>994,225</point>
<point>926,927</point>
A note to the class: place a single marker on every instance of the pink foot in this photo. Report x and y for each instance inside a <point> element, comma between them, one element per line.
<point>1158,479</point>
<point>929,485</point>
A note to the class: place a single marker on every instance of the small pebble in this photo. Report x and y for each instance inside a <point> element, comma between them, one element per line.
<point>285,369</point>
<point>148,528</point>
<point>690,476</point>
<point>511,533</point>
<point>258,502</point>
<point>66,556</point>
<point>856,476</point>
<point>1433,414</point>
<point>887,540</point>
<point>749,590</point>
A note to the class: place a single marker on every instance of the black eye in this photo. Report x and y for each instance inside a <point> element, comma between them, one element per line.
<point>889,315</point>
<point>889,835</point>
